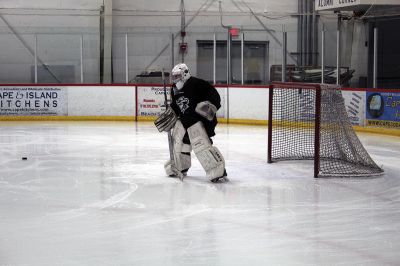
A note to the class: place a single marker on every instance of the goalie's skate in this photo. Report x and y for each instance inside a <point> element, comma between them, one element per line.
<point>222,178</point>
<point>181,175</point>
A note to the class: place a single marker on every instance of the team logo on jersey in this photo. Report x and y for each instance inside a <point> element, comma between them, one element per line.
<point>183,103</point>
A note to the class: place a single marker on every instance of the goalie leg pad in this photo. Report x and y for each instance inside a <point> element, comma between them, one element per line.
<point>172,171</point>
<point>182,151</point>
<point>209,156</point>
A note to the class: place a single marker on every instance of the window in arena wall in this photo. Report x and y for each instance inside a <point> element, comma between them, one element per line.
<point>255,62</point>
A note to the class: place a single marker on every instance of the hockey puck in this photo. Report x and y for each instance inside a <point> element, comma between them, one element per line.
<point>24,158</point>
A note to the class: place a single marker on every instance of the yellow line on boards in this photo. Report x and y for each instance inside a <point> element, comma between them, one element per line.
<point>146,118</point>
<point>378,130</point>
<point>243,121</point>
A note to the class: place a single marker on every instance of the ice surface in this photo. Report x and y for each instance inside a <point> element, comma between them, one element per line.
<point>96,194</point>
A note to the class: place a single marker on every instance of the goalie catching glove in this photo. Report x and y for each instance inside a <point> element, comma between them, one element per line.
<point>166,120</point>
<point>206,109</point>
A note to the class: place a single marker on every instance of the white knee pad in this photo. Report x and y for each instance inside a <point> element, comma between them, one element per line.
<point>209,156</point>
<point>182,161</point>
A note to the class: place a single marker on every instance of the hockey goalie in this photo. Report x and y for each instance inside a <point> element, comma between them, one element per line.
<point>192,119</point>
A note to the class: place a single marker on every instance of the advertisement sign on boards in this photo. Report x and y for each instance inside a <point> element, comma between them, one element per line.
<point>355,106</point>
<point>33,101</point>
<point>151,100</point>
<point>383,109</point>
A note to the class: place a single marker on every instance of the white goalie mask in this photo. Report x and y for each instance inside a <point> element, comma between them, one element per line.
<point>180,74</point>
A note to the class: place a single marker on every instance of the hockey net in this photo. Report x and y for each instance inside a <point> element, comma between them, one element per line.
<point>310,122</point>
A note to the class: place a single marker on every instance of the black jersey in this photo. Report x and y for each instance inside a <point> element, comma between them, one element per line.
<point>185,100</point>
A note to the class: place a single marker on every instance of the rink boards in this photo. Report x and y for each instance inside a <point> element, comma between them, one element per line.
<point>367,108</point>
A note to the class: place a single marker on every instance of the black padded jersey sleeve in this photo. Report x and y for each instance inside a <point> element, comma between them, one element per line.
<point>209,93</point>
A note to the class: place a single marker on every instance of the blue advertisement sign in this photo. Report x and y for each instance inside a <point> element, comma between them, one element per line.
<point>383,109</point>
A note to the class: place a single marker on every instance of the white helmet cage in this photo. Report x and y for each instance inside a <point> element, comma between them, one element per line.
<point>180,72</point>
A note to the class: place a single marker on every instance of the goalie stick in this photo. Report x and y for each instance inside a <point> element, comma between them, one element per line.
<point>170,140</point>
